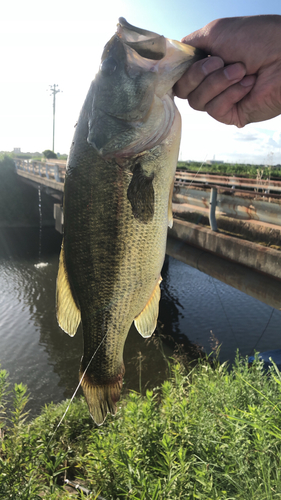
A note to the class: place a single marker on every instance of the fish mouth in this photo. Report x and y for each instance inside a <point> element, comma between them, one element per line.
<point>169,58</point>
<point>158,54</point>
<point>146,43</point>
<point>143,111</point>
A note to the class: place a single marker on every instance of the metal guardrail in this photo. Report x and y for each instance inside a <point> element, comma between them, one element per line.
<point>246,208</point>
<point>188,196</point>
<point>249,267</point>
<point>234,182</point>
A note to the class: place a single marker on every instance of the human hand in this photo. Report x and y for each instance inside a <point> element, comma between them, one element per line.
<point>241,82</point>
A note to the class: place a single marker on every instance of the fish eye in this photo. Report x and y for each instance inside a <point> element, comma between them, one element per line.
<point>108,66</point>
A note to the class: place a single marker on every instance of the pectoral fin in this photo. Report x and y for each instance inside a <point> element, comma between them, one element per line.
<point>68,314</point>
<point>146,321</point>
<point>141,195</point>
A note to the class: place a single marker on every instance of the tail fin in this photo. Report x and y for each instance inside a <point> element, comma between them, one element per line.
<point>101,399</point>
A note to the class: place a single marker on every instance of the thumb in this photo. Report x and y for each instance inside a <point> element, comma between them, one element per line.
<point>198,39</point>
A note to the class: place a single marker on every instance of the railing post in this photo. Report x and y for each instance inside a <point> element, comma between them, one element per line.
<point>56,172</point>
<point>212,211</point>
<point>47,171</point>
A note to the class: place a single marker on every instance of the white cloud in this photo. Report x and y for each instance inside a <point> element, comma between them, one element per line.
<point>203,138</point>
<point>240,135</point>
<point>61,42</point>
<point>275,140</point>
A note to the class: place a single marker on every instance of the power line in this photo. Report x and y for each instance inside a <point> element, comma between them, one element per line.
<point>54,90</point>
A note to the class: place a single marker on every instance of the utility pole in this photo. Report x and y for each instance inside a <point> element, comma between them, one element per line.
<point>54,89</point>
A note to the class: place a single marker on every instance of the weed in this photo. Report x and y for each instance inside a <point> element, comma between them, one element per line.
<point>211,433</point>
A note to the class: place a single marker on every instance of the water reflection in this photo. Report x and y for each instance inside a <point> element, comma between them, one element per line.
<point>171,313</point>
<point>194,309</point>
<point>33,348</point>
<point>214,313</point>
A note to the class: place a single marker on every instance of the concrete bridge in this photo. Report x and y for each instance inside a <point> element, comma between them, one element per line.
<point>227,227</point>
<point>49,174</point>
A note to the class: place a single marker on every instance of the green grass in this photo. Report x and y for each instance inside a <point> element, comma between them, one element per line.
<point>212,433</point>
<point>239,170</point>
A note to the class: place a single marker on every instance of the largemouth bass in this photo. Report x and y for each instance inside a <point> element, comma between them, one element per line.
<point>118,204</point>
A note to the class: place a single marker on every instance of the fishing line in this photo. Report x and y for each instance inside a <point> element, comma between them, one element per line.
<point>225,312</point>
<point>101,342</point>
<point>203,163</point>
<point>75,392</point>
<point>265,328</point>
<point>188,185</point>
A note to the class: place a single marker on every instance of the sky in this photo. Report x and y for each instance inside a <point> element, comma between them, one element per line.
<point>61,42</point>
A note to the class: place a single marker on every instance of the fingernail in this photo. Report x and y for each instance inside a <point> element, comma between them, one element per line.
<point>234,72</point>
<point>212,64</point>
<point>248,81</point>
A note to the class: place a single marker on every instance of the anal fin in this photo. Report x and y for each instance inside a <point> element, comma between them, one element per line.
<point>68,314</point>
<point>146,321</point>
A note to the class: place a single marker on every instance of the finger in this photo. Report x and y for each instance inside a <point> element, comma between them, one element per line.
<point>196,74</point>
<point>227,107</point>
<point>216,83</point>
<point>199,38</point>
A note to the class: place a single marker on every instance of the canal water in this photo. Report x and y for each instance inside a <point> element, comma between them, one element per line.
<point>196,311</point>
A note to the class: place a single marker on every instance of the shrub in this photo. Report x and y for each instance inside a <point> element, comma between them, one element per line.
<point>213,433</point>
<point>49,154</point>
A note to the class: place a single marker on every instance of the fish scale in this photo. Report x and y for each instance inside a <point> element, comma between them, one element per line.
<point>117,205</point>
